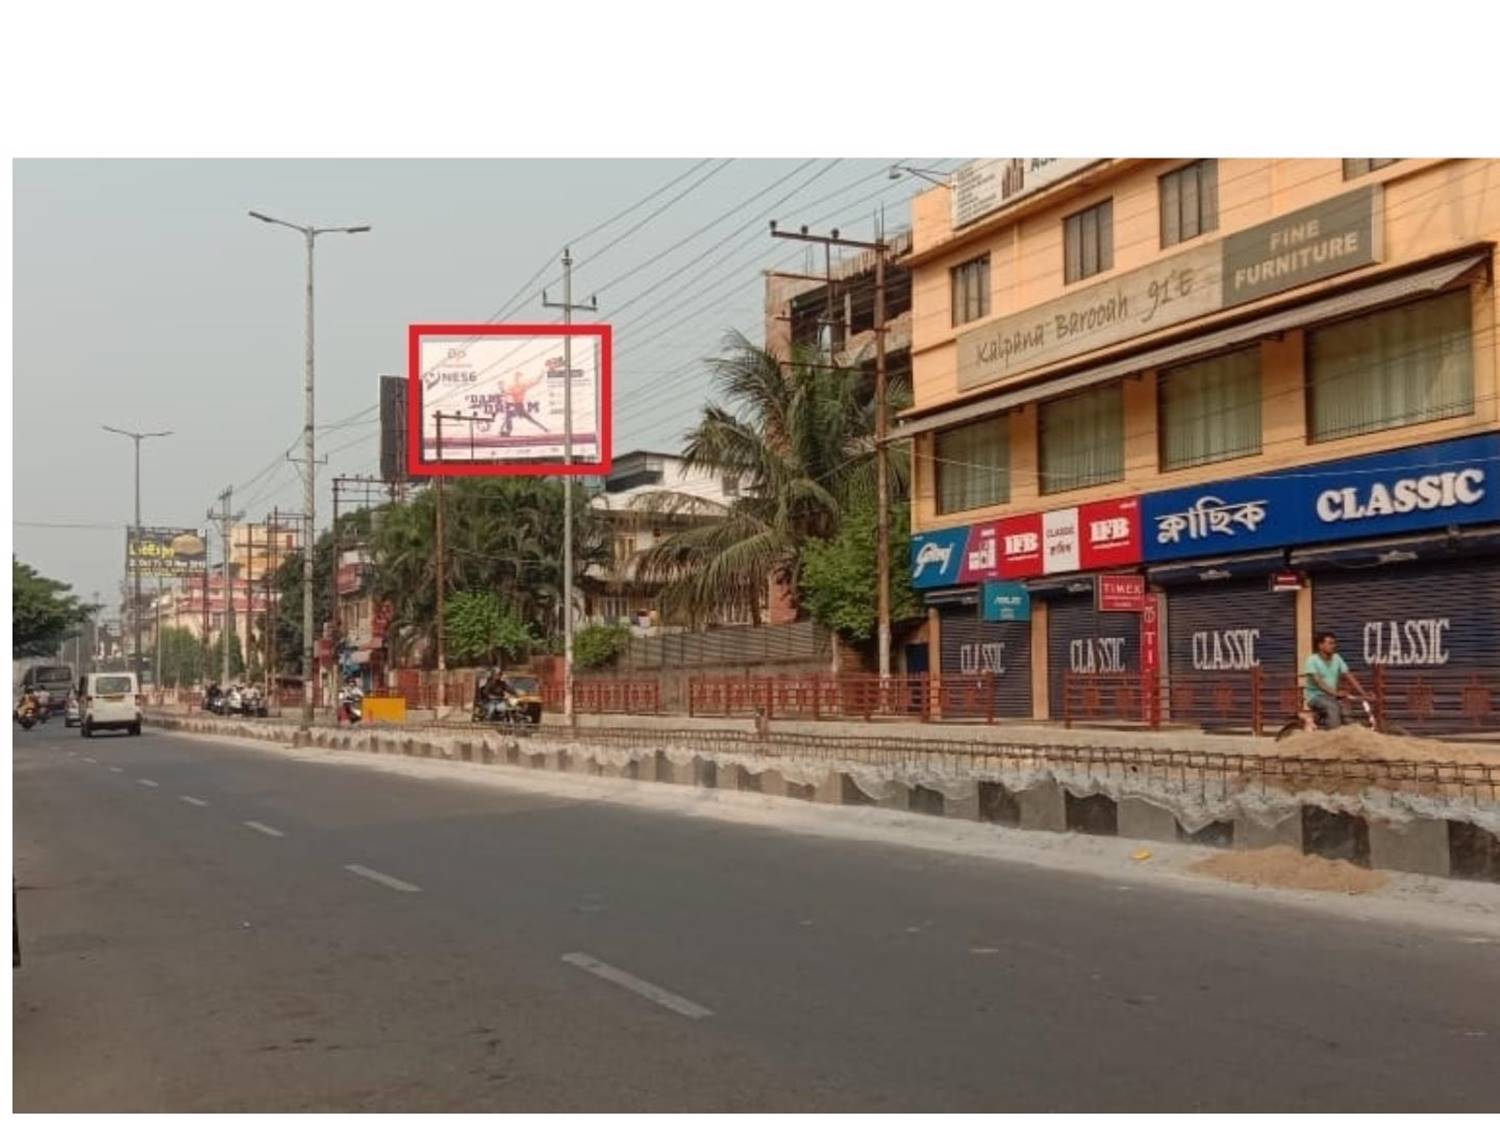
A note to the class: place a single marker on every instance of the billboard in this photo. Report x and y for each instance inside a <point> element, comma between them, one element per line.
<point>488,399</point>
<point>165,552</point>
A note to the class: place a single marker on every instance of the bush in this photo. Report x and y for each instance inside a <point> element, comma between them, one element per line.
<point>599,646</point>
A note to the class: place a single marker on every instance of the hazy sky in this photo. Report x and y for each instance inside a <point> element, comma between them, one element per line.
<point>146,298</point>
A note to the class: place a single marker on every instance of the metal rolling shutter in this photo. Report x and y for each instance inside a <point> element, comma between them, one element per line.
<point>1076,634</point>
<point>1219,628</point>
<point>964,638</point>
<point>1439,617</point>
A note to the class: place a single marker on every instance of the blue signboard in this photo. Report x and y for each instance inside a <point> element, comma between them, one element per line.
<point>1006,601</point>
<point>1427,486</point>
<point>936,557</point>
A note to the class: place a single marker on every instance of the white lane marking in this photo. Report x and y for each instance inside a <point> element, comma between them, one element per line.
<point>265,828</point>
<point>92,761</point>
<point>679,1004</point>
<point>384,880</point>
<point>194,801</point>
<point>116,769</point>
<point>147,782</point>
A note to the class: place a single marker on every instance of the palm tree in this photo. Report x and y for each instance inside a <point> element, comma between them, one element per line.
<point>799,437</point>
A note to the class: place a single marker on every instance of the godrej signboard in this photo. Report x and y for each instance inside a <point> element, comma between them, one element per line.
<point>1430,486</point>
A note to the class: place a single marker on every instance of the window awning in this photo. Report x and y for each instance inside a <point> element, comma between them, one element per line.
<point>1387,292</point>
<point>1215,570</point>
<point>1373,552</point>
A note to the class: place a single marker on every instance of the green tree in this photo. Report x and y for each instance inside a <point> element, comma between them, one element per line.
<point>481,627</point>
<point>182,657</point>
<point>599,646</point>
<point>800,441</point>
<point>503,535</point>
<point>43,613</point>
<point>839,580</point>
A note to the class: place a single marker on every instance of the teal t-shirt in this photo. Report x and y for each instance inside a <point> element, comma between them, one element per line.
<point>1328,671</point>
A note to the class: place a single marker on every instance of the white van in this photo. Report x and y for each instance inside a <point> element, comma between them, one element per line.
<point>109,701</point>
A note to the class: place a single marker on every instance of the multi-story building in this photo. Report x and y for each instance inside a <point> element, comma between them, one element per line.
<point>1268,387</point>
<point>631,500</point>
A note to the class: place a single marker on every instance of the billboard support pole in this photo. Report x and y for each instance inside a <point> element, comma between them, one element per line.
<point>333,607</point>
<point>135,563</point>
<point>567,306</point>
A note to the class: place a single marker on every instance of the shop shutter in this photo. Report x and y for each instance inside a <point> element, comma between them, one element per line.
<point>968,646</point>
<point>1078,638</point>
<point>1220,630</point>
<point>1434,627</point>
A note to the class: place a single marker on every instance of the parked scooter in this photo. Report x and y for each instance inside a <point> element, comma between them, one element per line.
<point>252,702</point>
<point>351,703</point>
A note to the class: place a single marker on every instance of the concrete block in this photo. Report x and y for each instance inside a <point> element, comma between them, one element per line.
<point>1420,846</point>
<point>1141,820</point>
<point>746,781</point>
<point>466,751</point>
<point>705,772</point>
<point>831,789</point>
<point>962,806</point>
<point>1252,834</point>
<point>561,761</point>
<point>727,777</point>
<point>1043,808</point>
<point>487,753</point>
<point>897,796</point>
<point>680,773</point>
<point>772,783</point>
<point>537,761</point>
<point>921,799</point>
<point>512,754</point>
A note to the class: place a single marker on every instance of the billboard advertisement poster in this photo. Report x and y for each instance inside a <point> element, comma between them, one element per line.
<point>488,399</point>
<point>936,557</point>
<point>165,552</point>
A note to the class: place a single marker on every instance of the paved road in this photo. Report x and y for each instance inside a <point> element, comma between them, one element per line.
<point>208,927</point>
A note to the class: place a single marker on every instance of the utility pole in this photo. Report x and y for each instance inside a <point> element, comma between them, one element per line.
<point>309,496</point>
<point>225,519</point>
<point>568,307</point>
<point>440,504</point>
<point>882,483</point>
<point>333,601</point>
<point>135,564</point>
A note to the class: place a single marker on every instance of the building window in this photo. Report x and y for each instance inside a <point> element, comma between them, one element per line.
<point>1364,165</point>
<point>1089,242</point>
<point>1082,439</point>
<point>1210,410</point>
<point>971,290</point>
<point>624,549</point>
<point>1189,202</point>
<point>973,465</point>
<point>1413,363</point>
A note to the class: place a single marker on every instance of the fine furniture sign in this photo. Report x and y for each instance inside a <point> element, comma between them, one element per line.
<point>1309,245</point>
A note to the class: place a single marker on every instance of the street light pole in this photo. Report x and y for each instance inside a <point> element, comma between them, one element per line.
<point>135,564</point>
<point>309,494</point>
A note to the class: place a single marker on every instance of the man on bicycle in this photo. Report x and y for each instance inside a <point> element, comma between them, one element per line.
<point>1324,671</point>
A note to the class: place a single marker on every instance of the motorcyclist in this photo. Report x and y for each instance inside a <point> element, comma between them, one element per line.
<point>498,693</point>
<point>28,705</point>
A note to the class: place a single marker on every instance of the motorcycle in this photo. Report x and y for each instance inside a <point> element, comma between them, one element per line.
<point>1362,714</point>
<point>502,711</point>
<point>351,705</point>
<point>253,703</point>
<point>26,714</point>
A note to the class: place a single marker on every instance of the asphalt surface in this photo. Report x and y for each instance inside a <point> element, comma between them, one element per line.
<point>305,936</point>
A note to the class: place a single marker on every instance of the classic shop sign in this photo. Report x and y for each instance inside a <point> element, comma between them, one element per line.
<point>1309,245</point>
<point>1427,486</point>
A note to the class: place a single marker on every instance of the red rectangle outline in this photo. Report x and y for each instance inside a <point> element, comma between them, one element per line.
<point>419,467</point>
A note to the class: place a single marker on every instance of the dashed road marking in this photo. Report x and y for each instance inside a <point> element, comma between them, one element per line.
<point>194,801</point>
<point>384,880</point>
<point>679,1004</point>
<point>92,761</point>
<point>263,828</point>
<point>116,769</point>
<point>146,781</point>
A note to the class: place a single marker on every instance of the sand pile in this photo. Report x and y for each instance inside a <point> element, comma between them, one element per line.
<point>1361,742</point>
<point>1284,866</point>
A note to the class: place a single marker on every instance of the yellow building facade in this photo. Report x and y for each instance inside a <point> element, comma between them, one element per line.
<point>1264,390</point>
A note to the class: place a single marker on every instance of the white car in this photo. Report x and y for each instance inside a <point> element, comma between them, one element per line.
<point>72,715</point>
<point>110,702</point>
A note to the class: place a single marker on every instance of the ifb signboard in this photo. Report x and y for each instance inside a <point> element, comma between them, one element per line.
<point>165,552</point>
<point>494,399</point>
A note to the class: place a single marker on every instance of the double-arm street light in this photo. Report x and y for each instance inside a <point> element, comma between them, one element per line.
<point>309,493</point>
<point>135,564</point>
